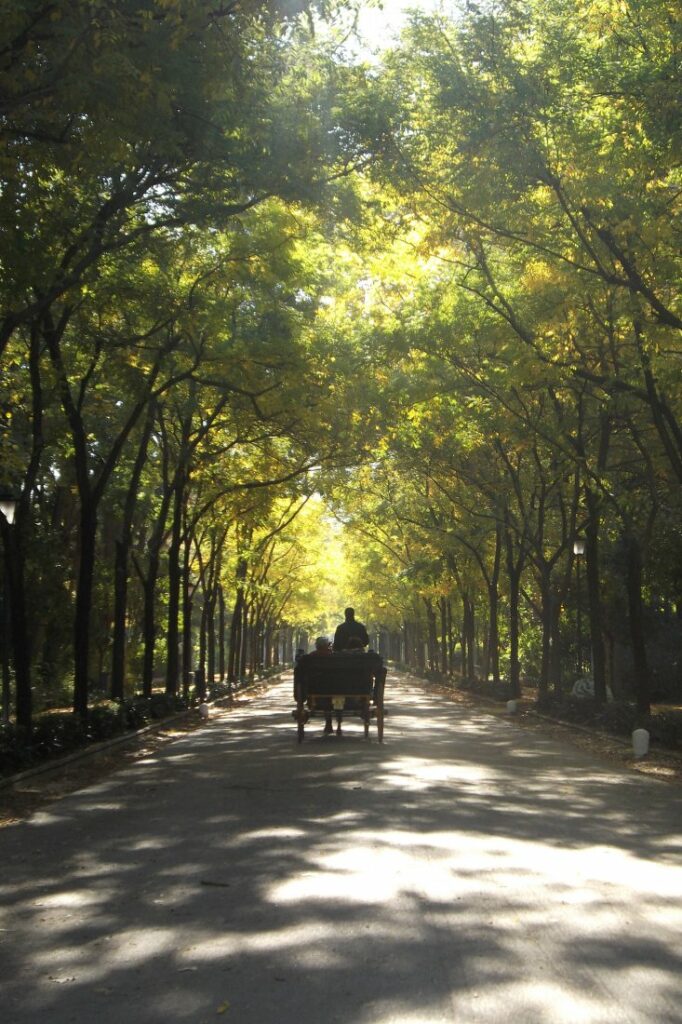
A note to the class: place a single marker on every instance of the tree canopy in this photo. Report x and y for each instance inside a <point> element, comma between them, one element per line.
<point>283,328</point>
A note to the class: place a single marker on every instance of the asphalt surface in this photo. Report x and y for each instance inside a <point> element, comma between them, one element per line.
<point>464,871</point>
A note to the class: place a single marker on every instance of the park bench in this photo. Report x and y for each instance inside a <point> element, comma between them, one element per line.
<point>344,684</point>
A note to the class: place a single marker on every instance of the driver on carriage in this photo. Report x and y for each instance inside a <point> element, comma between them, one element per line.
<point>350,627</point>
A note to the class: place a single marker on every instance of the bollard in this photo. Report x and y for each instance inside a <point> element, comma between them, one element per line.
<point>204,710</point>
<point>512,707</point>
<point>640,742</point>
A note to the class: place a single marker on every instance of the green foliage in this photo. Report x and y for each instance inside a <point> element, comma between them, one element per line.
<point>15,753</point>
<point>57,732</point>
<point>366,330</point>
<point>105,721</point>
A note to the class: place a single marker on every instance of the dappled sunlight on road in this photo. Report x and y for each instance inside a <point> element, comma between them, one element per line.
<point>462,871</point>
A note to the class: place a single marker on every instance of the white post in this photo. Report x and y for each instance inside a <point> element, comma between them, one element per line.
<point>640,742</point>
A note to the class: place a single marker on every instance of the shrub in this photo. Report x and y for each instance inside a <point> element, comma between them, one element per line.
<point>136,712</point>
<point>216,690</point>
<point>15,754</point>
<point>163,704</point>
<point>57,732</point>
<point>665,728</point>
<point>106,720</point>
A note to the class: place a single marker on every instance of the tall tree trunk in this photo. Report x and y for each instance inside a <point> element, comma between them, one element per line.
<point>235,637</point>
<point>203,634</point>
<point>17,632</point>
<point>555,662</point>
<point>186,614</point>
<point>173,627</point>
<point>594,595</point>
<point>514,569</point>
<point>121,573</point>
<point>5,642</point>
<point>21,646</point>
<point>471,638</point>
<point>221,632</point>
<point>463,640</point>
<point>267,644</point>
<point>149,623</point>
<point>634,588</point>
<point>82,618</point>
<point>444,636</point>
<point>246,638</point>
<point>211,637</point>
<point>149,582</point>
<point>431,639</point>
<point>546,596</point>
<point>494,631</point>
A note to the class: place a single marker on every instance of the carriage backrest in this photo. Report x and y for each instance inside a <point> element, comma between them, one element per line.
<point>340,673</point>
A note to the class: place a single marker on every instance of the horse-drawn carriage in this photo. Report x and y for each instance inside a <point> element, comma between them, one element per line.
<point>341,684</point>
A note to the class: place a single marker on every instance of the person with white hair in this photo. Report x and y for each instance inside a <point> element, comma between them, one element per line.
<point>323,648</point>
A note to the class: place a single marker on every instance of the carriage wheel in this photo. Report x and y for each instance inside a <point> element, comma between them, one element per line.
<point>366,714</point>
<point>380,722</point>
<point>300,718</point>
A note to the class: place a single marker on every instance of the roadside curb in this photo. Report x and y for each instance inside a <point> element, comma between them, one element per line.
<point>584,729</point>
<point>97,748</point>
<point>498,706</point>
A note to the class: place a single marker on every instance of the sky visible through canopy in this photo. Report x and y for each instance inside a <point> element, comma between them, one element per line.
<point>379,25</point>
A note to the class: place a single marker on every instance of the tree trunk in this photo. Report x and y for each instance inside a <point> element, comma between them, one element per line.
<point>471,638</point>
<point>121,565</point>
<point>634,588</point>
<point>173,627</point>
<point>431,639</point>
<point>5,641</point>
<point>594,596</point>
<point>555,663</point>
<point>203,632</point>
<point>211,638</point>
<point>514,568</point>
<point>235,637</point>
<point>444,636</point>
<point>86,572</point>
<point>149,624</point>
<point>221,632</point>
<point>21,646</point>
<point>494,632</point>
<point>244,652</point>
<point>546,621</point>
<point>186,615</point>
<point>149,589</point>
<point>463,638</point>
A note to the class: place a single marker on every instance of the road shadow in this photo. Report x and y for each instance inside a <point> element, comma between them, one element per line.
<point>463,870</point>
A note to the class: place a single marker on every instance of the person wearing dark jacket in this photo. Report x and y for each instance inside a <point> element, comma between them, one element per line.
<point>323,649</point>
<point>350,627</point>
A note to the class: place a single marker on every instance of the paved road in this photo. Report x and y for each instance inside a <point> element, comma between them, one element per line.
<point>465,871</point>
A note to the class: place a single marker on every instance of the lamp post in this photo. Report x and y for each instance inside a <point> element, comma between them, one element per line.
<point>8,507</point>
<point>579,551</point>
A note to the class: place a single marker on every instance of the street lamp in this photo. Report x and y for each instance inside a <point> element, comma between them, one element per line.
<point>579,551</point>
<point>8,506</point>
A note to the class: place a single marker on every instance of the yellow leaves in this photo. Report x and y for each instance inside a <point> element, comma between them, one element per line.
<point>539,272</point>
